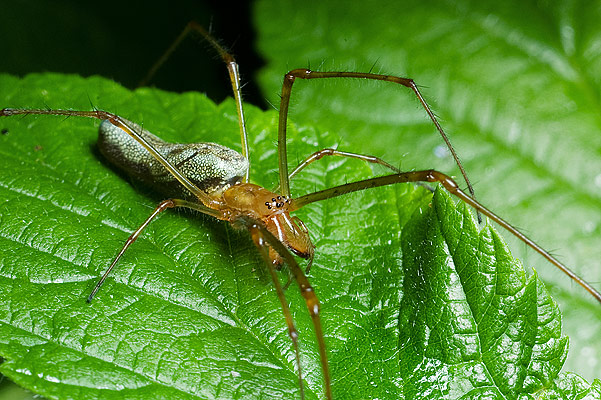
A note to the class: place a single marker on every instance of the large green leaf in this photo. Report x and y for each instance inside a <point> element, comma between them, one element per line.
<point>414,301</point>
<point>516,85</point>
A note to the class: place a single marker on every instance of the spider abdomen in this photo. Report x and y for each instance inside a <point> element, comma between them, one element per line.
<point>210,166</point>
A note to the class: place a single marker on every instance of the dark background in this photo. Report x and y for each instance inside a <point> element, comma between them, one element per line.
<point>122,40</point>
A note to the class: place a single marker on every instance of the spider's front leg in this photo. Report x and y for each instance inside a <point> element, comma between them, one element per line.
<point>302,73</point>
<point>264,240</point>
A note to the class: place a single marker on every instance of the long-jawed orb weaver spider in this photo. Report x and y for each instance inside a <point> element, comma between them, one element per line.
<point>227,196</point>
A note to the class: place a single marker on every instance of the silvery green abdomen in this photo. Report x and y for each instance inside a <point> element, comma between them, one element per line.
<point>212,167</point>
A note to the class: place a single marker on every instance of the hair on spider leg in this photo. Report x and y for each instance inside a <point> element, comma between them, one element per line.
<point>371,69</point>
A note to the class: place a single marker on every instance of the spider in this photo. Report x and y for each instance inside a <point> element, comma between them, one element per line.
<point>222,189</point>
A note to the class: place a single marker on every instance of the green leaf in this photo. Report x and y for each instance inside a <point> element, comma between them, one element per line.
<point>414,301</point>
<point>516,85</point>
<point>187,314</point>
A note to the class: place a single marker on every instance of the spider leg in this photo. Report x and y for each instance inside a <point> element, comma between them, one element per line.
<point>318,155</point>
<point>262,238</point>
<point>452,187</point>
<point>302,73</point>
<point>163,205</point>
<point>232,66</point>
<point>263,247</point>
